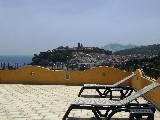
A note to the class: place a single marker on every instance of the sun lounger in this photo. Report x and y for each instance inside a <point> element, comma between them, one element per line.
<point>113,106</point>
<point>103,90</point>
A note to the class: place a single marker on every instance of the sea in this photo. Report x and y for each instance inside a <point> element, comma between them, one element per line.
<point>15,61</point>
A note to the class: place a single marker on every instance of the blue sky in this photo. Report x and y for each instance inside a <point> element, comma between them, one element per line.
<point>31,26</point>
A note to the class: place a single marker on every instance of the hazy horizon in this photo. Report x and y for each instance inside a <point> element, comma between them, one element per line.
<point>28,27</point>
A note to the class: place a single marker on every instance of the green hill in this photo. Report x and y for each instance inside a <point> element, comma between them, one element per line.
<point>117,47</point>
<point>143,50</point>
<point>150,66</point>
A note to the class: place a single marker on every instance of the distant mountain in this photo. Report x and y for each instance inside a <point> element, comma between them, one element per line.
<point>117,47</point>
<point>143,50</point>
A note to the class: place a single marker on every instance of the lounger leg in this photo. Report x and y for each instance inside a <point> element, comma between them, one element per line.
<point>110,95</point>
<point>96,113</point>
<point>131,117</point>
<point>99,92</point>
<point>128,93</point>
<point>150,117</point>
<point>67,113</point>
<point>114,112</point>
<point>122,95</point>
<point>102,115</point>
<point>106,92</point>
<point>80,92</point>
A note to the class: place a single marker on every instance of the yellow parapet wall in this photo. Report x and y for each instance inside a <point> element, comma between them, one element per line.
<point>39,75</point>
<point>140,82</point>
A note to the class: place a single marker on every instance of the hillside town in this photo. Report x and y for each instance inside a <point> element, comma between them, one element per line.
<point>81,58</point>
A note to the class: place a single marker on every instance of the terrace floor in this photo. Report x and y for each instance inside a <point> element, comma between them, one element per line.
<point>46,102</point>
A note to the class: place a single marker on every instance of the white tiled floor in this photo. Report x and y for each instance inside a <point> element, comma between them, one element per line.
<point>45,102</point>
